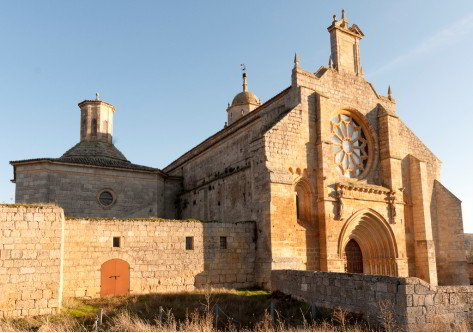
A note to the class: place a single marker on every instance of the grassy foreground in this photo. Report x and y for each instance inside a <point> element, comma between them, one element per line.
<point>238,310</point>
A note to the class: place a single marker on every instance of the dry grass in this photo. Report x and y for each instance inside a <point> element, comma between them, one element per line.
<point>442,324</point>
<point>59,323</point>
<point>243,311</point>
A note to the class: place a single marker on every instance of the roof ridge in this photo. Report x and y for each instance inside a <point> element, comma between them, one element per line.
<point>228,128</point>
<point>92,161</point>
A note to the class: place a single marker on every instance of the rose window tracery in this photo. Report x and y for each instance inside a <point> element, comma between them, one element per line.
<point>349,145</point>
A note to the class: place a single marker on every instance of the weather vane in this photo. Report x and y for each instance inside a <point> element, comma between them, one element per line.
<point>243,68</point>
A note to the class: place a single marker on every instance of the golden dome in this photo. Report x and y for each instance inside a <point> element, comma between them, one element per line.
<point>245,97</point>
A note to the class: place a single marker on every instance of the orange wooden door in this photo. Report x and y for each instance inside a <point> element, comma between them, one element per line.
<point>354,257</point>
<point>114,278</point>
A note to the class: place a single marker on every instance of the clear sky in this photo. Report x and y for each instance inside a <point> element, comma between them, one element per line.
<point>171,67</point>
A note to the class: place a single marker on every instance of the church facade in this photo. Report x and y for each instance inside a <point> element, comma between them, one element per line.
<point>333,178</point>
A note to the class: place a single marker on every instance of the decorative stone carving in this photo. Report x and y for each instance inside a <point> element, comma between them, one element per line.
<point>359,191</point>
<point>356,191</point>
<point>392,207</point>
<point>340,204</point>
<point>349,145</point>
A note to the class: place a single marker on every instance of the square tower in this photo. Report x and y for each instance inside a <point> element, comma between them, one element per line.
<point>345,46</point>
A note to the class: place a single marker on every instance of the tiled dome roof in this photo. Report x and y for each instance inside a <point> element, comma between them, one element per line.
<point>95,149</point>
<point>245,97</point>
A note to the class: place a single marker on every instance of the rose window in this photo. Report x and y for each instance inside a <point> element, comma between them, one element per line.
<point>349,145</point>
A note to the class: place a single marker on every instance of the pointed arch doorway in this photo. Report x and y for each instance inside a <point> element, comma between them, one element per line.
<point>354,257</point>
<point>366,236</point>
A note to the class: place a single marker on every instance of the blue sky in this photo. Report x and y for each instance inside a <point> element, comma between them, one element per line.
<point>171,67</point>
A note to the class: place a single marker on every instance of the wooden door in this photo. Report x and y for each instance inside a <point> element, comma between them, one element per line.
<point>354,257</point>
<point>114,278</point>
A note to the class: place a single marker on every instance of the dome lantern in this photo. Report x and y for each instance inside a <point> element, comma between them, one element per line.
<point>243,103</point>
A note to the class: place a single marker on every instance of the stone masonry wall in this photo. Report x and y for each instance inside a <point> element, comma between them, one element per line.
<point>468,243</point>
<point>411,146</point>
<point>414,301</point>
<point>396,142</point>
<point>452,266</point>
<point>225,178</point>
<point>291,158</point>
<point>156,253</point>
<point>30,259</point>
<point>322,95</point>
<point>76,189</point>
<point>44,256</point>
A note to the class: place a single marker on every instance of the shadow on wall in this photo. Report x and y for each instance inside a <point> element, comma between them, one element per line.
<point>228,251</point>
<point>311,224</point>
<point>148,256</point>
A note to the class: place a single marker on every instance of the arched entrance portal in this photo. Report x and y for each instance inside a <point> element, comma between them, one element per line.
<point>354,257</point>
<point>367,235</point>
<point>114,278</point>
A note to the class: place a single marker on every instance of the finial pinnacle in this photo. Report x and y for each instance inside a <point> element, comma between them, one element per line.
<point>245,78</point>
<point>97,96</point>
<point>297,60</point>
<point>390,93</point>
<point>334,18</point>
<point>343,14</point>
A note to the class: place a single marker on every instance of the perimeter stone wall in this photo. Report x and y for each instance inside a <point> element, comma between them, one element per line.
<point>414,302</point>
<point>156,252</point>
<point>30,259</point>
<point>44,256</point>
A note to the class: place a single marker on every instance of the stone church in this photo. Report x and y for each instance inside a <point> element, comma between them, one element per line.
<point>333,178</point>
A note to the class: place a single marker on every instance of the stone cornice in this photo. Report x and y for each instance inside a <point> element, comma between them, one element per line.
<point>368,192</point>
<point>344,30</point>
<point>96,102</point>
<point>364,191</point>
<point>363,187</point>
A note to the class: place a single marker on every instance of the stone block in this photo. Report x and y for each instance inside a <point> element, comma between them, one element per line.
<point>429,300</point>
<point>418,300</point>
<point>381,287</point>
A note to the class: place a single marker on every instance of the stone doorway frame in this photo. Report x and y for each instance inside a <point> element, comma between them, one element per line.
<point>376,240</point>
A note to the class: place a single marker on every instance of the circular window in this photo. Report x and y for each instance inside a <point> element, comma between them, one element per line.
<point>350,146</point>
<point>106,198</point>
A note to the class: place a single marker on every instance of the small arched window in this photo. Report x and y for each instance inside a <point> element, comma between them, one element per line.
<point>83,127</point>
<point>303,203</point>
<point>94,127</point>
